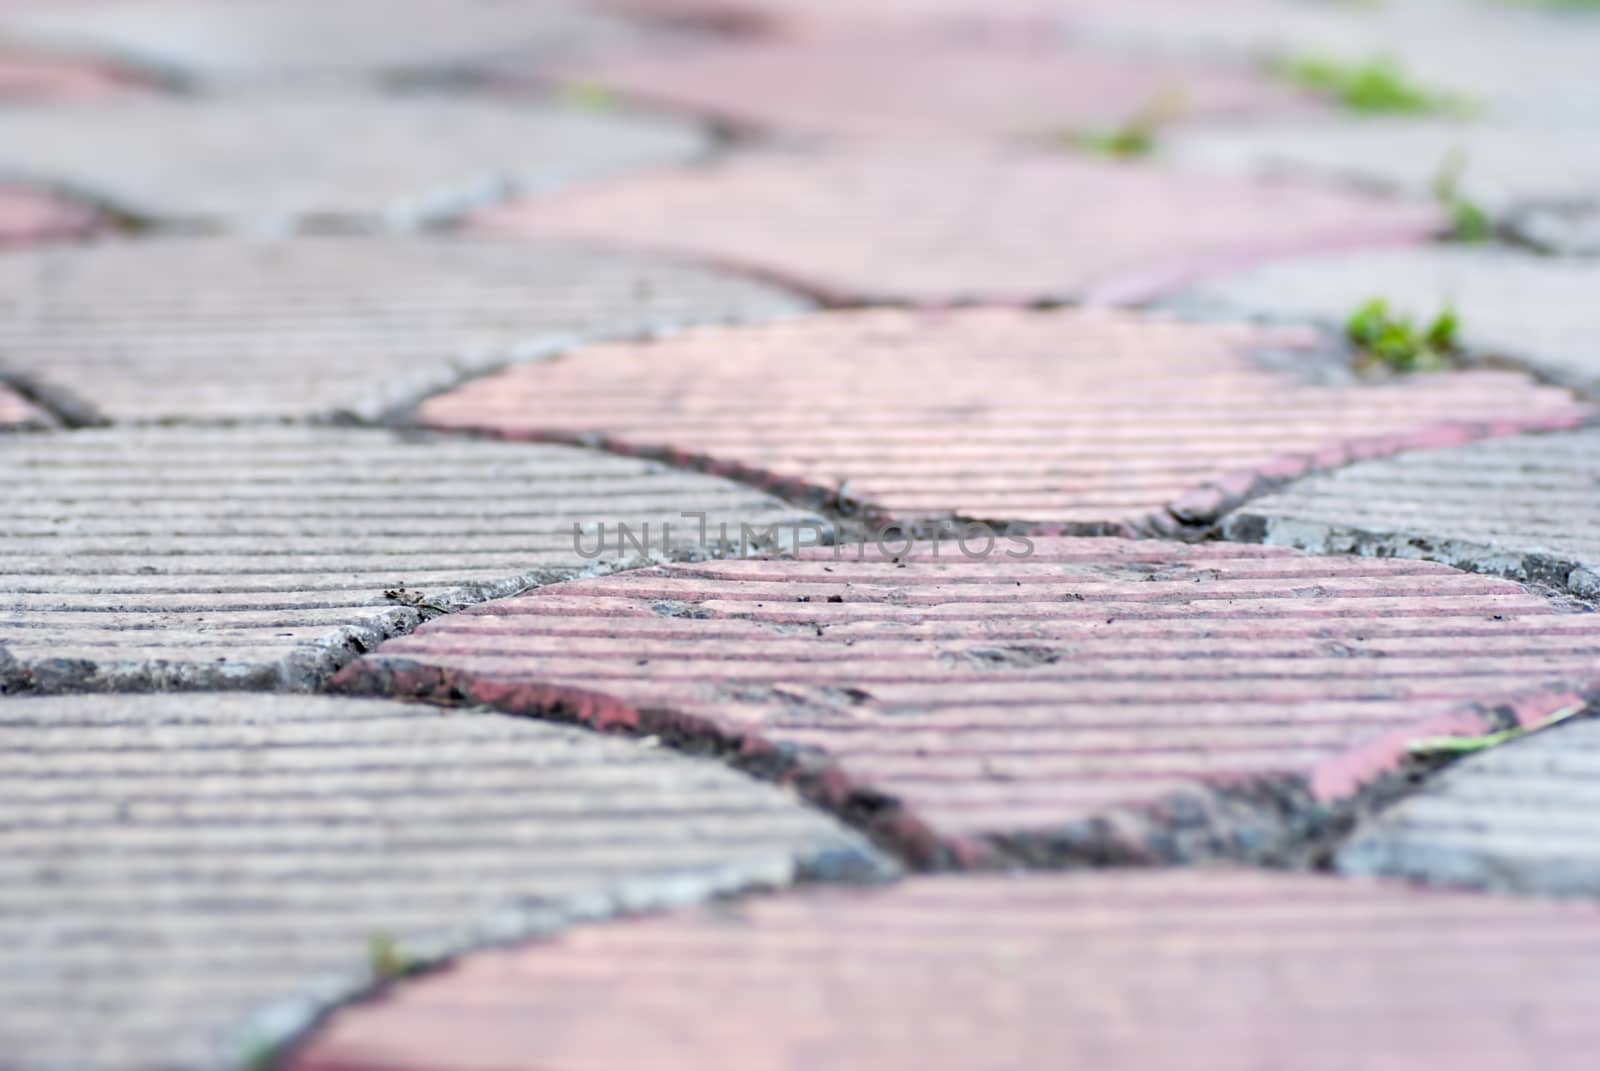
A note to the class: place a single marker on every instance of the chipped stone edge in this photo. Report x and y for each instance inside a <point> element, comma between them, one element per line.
<point>276,1026</point>
<point>1288,819</point>
<point>1548,571</point>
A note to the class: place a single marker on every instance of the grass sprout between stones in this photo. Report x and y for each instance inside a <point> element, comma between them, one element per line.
<point>386,958</point>
<point>1136,136</point>
<point>1395,342</point>
<point>1466,745</point>
<point>1468,220</point>
<point>1374,86</point>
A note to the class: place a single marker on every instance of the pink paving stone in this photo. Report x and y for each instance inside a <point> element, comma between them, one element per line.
<point>16,412</point>
<point>907,88</point>
<point>1093,421</point>
<point>1093,699</point>
<point>944,227</point>
<point>1211,970</point>
<point>30,216</point>
<point>27,76</point>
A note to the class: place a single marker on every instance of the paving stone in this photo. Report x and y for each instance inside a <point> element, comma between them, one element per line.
<point>1537,310</point>
<point>919,17</point>
<point>171,558</point>
<point>1055,700</point>
<point>273,163</point>
<point>1089,420</point>
<point>904,88</point>
<point>1507,61</point>
<point>313,40</point>
<point>1121,971</point>
<point>1518,818</point>
<point>946,227</point>
<point>1508,171</point>
<point>242,328</point>
<point>186,878</point>
<point>1525,507</point>
<point>16,412</point>
<point>28,215</point>
<point>26,76</point>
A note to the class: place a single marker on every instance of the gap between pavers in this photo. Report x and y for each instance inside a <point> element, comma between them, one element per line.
<point>338,328</point>
<point>296,43</point>
<point>1527,507</point>
<point>1534,311</point>
<point>1520,818</point>
<point>900,88</point>
<point>187,881</point>
<point>278,163</point>
<point>1213,970</point>
<point>948,225</point>
<point>265,557</point>
<point>1084,421</point>
<point>18,414</point>
<point>1058,701</point>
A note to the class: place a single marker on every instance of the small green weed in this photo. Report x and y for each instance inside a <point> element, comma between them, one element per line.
<point>1466,745</point>
<point>1396,343</point>
<point>1468,221</point>
<point>590,98</point>
<point>1136,137</point>
<point>1376,86</point>
<point>386,958</point>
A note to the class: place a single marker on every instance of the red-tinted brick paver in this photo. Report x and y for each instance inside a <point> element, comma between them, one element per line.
<point>30,216</point>
<point>1079,701</point>
<point>16,412</point>
<point>904,88</point>
<point>1125,972</point>
<point>943,227</point>
<point>1094,420</point>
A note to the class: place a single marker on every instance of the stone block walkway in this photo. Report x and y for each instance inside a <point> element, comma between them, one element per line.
<point>775,534</point>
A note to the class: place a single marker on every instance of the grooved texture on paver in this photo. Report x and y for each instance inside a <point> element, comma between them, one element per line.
<point>240,328</point>
<point>1074,701</point>
<point>277,162</point>
<point>944,227</point>
<point>904,88</point>
<point>1093,420</point>
<point>301,40</point>
<point>260,557</point>
<point>1540,310</point>
<point>1125,972</point>
<point>33,216</point>
<point>1525,507</point>
<point>1519,818</point>
<point>185,878</point>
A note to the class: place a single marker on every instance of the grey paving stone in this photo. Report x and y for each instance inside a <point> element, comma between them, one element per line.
<point>1538,310</point>
<point>184,879</point>
<point>270,162</point>
<point>260,557</point>
<point>1526,507</point>
<point>242,328</point>
<point>301,40</point>
<point>1542,181</point>
<point>1523,817</point>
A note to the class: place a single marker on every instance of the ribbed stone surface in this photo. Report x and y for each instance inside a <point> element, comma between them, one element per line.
<point>1504,169</point>
<point>1520,818</point>
<point>17,412</point>
<point>907,87</point>
<point>241,328</point>
<point>1523,62</point>
<point>1092,420</point>
<point>299,40</point>
<point>184,879</point>
<point>1126,972</point>
<point>268,162</point>
<point>260,557</point>
<point>31,216</point>
<point>943,227</point>
<point>1535,309</point>
<point>1526,507</point>
<point>1093,699</point>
